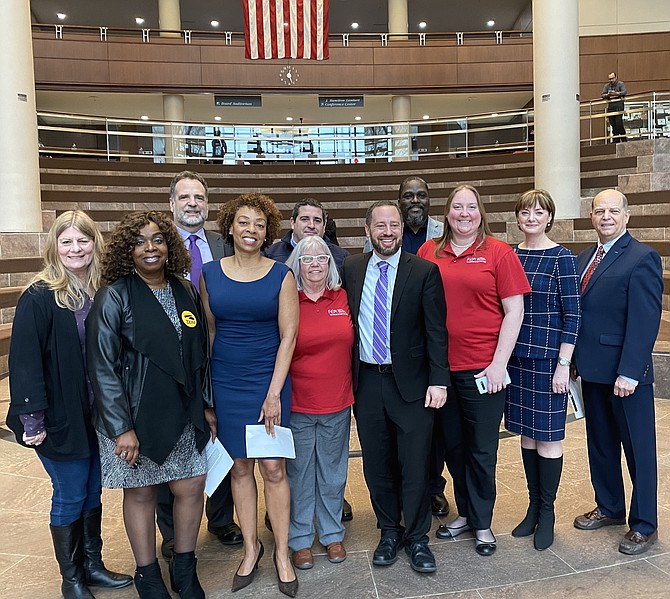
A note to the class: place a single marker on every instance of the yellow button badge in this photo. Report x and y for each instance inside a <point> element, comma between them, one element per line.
<point>189,319</point>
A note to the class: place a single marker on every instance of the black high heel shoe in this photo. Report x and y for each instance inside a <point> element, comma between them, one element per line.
<point>239,581</point>
<point>289,589</point>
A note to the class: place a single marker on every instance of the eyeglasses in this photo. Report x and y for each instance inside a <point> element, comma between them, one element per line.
<point>322,259</point>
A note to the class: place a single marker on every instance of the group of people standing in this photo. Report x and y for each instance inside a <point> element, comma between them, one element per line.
<point>435,333</point>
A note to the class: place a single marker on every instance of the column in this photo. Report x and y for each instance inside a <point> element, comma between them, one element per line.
<point>19,156</point>
<point>401,106</point>
<point>556,102</point>
<point>169,17</point>
<point>173,112</point>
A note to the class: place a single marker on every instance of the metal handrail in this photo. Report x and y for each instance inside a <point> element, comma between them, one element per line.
<point>648,117</point>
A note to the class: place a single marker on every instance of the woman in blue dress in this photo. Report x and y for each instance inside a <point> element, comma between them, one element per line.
<point>540,363</point>
<point>252,309</point>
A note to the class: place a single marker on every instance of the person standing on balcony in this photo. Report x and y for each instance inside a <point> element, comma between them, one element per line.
<point>614,92</point>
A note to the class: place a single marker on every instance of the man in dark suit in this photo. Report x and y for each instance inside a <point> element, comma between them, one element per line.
<point>622,286</point>
<point>400,374</point>
<point>188,202</point>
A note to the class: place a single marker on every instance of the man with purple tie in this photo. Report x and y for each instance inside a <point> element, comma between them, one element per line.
<point>188,202</point>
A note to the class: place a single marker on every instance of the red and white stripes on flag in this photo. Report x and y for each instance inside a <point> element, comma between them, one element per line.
<point>286,29</point>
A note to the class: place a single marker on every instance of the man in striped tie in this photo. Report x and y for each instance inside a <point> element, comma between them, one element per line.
<point>400,375</point>
<point>188,202</point>
<point>622,286</point>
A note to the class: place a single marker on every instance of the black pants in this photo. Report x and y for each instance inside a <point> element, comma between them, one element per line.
<point>436,482</point>
<point>470,424</point>
<point>395,440</point>
<point>616,122</point>
<point>219,508</point>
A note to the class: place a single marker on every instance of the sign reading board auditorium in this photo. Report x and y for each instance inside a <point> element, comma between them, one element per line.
<point>341,102</point>
<point>241,101</point>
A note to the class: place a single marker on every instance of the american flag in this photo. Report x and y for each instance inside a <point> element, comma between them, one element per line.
<point>286,29</point>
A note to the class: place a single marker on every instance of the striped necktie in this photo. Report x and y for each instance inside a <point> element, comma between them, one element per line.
<point>380,314</point>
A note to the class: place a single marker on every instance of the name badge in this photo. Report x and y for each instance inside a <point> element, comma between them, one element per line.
<point>189,319</point>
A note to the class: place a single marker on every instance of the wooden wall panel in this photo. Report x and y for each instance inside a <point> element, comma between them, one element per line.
<point>415,55</point>
<point>498,53</point>
<point>157,51</point>
<point>517,73</point>
<point>417,76</point>
<point>647,42</point>
<point>68,72</point>
<point>155,74</point>
<point>67,49</point>
<point>644,66</point>
<point>598,45</point>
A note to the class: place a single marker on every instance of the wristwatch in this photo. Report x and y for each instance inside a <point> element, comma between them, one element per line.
<point>563,361</point>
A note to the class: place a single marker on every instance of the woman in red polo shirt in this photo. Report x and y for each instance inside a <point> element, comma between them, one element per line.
<point>484,285</point>
<point>321,404</point>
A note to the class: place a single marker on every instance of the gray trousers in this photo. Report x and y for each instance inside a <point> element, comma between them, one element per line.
<point>317,477</point>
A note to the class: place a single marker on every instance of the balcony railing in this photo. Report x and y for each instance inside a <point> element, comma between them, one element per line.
<point>646,116</point>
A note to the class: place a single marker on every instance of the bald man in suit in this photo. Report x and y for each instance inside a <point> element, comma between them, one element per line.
<point>622,286</point>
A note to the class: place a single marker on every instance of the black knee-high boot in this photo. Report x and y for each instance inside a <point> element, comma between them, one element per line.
<point>184,577</point>
<point>149,582</point>
<point>68,547</point>
<point>550,477</point>
<point>530,465</point>
<point>96,573</point>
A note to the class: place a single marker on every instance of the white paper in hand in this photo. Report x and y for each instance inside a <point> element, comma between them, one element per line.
<point>262,445</point>
<point>219,464</point>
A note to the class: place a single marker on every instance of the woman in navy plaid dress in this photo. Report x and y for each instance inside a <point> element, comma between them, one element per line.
<point>540,363</point>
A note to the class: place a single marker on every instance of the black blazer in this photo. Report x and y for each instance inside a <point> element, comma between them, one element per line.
<point>621,313</point>
<point>46,372</point>
<point>217,243</point>
<point>418,322</point>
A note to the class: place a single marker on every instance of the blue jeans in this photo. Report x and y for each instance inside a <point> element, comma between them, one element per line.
<point>77,487</point>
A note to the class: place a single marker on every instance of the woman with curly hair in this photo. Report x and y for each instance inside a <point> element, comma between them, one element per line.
<point>51,401</point>
<point>149,366</point>
<point>252,308</point>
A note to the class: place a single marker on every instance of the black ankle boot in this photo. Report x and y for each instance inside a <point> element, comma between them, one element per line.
<point>550,477</point>
<point>184,577</point>
<point>530,465</point>
<point>149,582</point>
<point>96,573</point>
<point>67,542</point>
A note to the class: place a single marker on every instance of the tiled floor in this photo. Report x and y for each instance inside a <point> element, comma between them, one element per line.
<point>579,564</point>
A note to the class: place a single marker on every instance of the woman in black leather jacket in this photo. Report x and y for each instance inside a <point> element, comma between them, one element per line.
<point>149,367</point>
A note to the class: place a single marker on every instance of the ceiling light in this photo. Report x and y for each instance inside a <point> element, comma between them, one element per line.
<point>217,118</point>
<point>494,114</point>
<point>354,25</point>
<point>491,23</point>
<point>214,23</point>
<point>425,117</point>
<point>144,117</point>
<point>289,118</point>
<point>139,20</point>
<point>422,25</point>
<point>357,118</point>
<point>61,15</point>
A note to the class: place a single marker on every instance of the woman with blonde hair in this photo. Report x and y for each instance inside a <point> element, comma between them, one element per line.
<point>51,398</point>
<point>484,285</point>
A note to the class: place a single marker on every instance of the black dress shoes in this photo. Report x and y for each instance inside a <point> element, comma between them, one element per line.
<point>439,505</point>
<point>230,534</point>
<point>596,519</point>
<point>421,558</point>
<point>386,552</point>
<point>485,548</point>
<point>347,513</point>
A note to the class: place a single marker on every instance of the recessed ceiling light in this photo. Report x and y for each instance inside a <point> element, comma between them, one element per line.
<point>425,117</point>
<point>214,23</point>
<point>422,25</point>
<point>144,117</point>
<point>139,20</point>
<point>217,118</point>
<point>354,25</point>
<point>491,23</point>
<point>494,114</point>
<point>357,118</point>
<point>61,15</point>
<point>289,118</point>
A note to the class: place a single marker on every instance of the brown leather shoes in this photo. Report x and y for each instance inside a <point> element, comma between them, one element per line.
<point>635,542</point>
<point>336,552</point>
<point>303,559</point>
<point>596,519</point>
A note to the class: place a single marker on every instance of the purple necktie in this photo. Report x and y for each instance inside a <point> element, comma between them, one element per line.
<point>196,261</point>
<point>380,315</point>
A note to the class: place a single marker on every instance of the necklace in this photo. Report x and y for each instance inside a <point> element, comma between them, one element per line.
<point>461,247</point>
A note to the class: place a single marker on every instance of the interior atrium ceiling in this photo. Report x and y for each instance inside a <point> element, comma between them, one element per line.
<point>371,15</point>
